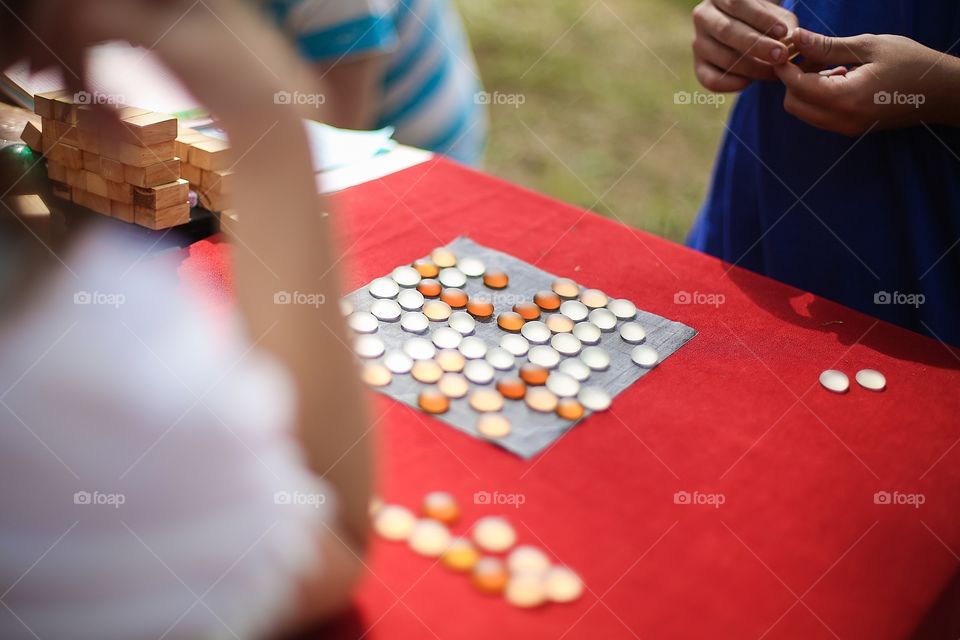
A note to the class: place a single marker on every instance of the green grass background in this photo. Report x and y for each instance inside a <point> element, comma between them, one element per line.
<point>599,126</point>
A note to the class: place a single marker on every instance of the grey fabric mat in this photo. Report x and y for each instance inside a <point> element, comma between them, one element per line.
<point>532,431</point>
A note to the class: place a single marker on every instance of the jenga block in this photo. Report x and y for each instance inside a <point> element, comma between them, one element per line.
<point>61,190</point>
<point>88,120</point>
<point>88,141</point>
<point>66,133</point>
<point>112,170</point>
<point>186,139</point>
<point>56,171</point>
<point>136,155</point>
<point>153,174</point>
<point>64,110</point>
<point>121,211</point>
<point>214,201</point>
<point>100,204</point>
<point>124,113</point>
<point>192,174</point>
<point>212,155</point>
<point>149,129</point>
<point>91,161</point>
<point>162,218</point>
<point>66,155</point>
<point>49,135</point>
<point>32,137</point>
<point>77,178</point>
<point>217,181</point>
<point>161,196</point>
<point>43,103</point>
<point>120,192</point>
<point>95,183</point>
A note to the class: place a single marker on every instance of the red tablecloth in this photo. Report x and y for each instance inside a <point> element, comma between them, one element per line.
<point>798,549</point>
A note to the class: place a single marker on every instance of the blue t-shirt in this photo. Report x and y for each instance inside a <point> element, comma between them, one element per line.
<point>878,228</point>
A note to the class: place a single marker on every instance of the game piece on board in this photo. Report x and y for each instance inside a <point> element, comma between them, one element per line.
<point>525,590</point>
<point>443,257</point>
<point>394,522</point>
<point>544,355</point>
<point>478,371</point>
<point>397,361</point>
<point>376,375</point>
<point>596,358</point>
<point>429,287</point>
<point>437,310</point>
<point>480,307</point>
<point>426,371</point>
<point>462,322</point>
<point>569,409</point>
<point>461,555</point>
<point>493,425</point>
<point>489,575</point>
<point>452,278</point>
<point>632,332</point>
<point>446,338</point>
<point>510,321</point>
<point>426,268</point>
<point>547,300</point>
<point>500,359</point>
<point>453,385</point>
<point>384,288</point>
<point>494,534</point>
<point>526,558</point>
<point>368,346</point>
<point>410,300</point>
<point>533,375</point>
<point>386,310</point>
<point>451,360</point>
<point>414,322</point>
<point>566,344</point>
<point>514,344</point>
<point>473,348</point>
<point>432,401</point>
<point>405,276</point>
<point>472,267</point>
<point>645,356</point>
<point>565,288</point>
<point>512,388</point>
<point>835,381</point>
<point>429,538</point>
<point>594,398</point>
<point>871,379</point>
<point>536,332</point>
<point>527,310</point>
<point>559,323</point>
<point>456,298</point>
<point>594,298</point>
<point>419,349</point>
<point>541,399</point>
<point>562,584</point>
<point>486,401</point>
<point>496,279</point>
<point>563,385</point>
<point>575,310</point>
<point>363,322</point>
<point>623,309</point>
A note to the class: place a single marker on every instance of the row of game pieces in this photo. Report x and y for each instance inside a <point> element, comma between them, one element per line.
<point>129,167</point>
<point>523,574</point>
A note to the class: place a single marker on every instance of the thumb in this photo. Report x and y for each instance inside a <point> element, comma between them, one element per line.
<point>827,50</point>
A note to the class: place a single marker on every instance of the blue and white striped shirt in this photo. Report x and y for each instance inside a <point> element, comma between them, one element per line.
<point>430,82</point>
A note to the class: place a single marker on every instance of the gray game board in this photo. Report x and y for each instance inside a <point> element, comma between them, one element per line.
<point>532,431</point>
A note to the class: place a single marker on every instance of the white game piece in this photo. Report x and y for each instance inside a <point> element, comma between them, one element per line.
<point>632,332</point>
<point>500,358</point>
<point>594,298</point>
<point>384,288</point>
<point>623,309</point>
<point>563,385</point>
<point>473,348</point>
<point>575,310</point>
<point>596,358</point>
<point>462,322</point>
<point>514,344</point>
<point>397,361</point>
<point>525,590</point>
<point>536,332</point>
<point>369,346</point>
<point>594,398</point>
<point>871,379</point>
<point>603,318</point>
<point>645,356</point>
<point>452,278</point>
<point>575,368</point>
<point>446,338</point>
<point>394,522</point>
<point>414,322</point>
<point>437,310</point>
<point>527,559</point>
<point>544,356</point>
<point>566,343</point>
<point>453,385</point>
<point>429,538</point>
<point>494,534</point>
<point>363,322</point>
<point>406,276</point>
<point>478,371</point>
<point>419,348</point>
<point>471,267</point>
<point>562,584</point>
<point>410,300</point>
<point>836,381</point>
<point>386,310</point>
<point>587,332</point>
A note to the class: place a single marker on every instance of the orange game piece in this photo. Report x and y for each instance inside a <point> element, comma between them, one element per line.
<point>432,401</point>
<point>510,321</point>
<point>426,268</point>
<point>511,388</point>
<point>456,298</point>
<point>533,375</point>
<point>547,300</point>
<point>527,310</point>
<point>496,279</point>
<point>429,288</point>
<point>480,307</point>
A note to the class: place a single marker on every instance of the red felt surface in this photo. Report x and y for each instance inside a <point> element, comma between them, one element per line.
<point>797,550</point>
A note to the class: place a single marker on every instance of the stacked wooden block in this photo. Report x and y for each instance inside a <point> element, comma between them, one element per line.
<point>139,171</point>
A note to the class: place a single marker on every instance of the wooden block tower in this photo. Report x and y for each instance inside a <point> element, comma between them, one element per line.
<point>138,171</point>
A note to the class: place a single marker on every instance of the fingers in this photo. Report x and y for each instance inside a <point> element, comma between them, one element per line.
<point>736,34</point>
<point>822,118</point>
<point>718,80</point>
<point>762,15</point>
<point>836,51</point>
<point>811,87</point>
<point>723,57</point>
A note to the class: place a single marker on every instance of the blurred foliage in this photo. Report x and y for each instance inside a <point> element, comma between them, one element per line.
<point>598,125</point>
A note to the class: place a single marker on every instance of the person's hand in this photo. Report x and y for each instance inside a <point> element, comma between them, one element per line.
<point>737,41</point>
<point>869,82</point>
